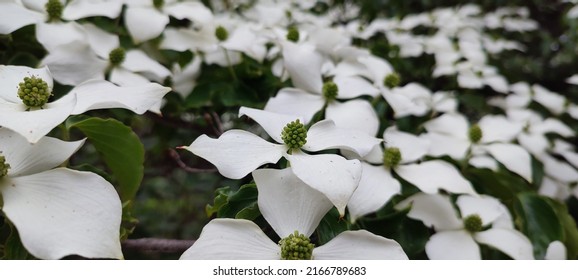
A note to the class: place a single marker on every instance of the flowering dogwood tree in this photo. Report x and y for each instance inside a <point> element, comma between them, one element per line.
<point>288,129</point>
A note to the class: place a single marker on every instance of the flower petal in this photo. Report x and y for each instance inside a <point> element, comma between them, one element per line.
<point>273,123</point>
<point>16,16</point>
<point>332,175</point>
<point>433,175</point>
<point>35,124</point>
<point>74,63</point>
<point>359,245</point>
<point>375,189</point>
<point>294,101</point>
<point>236,153</point>
<point>441,144</point>
<point>411,147</point>
<point>304,66</point>
<point>95,94</point>
<point>434,210</point>
<point>193,11</point>
<point>355,114</point>
<point>144,23</point>
<point>229,239</point>
<point>287,203</point>
<point>556,251</point>
<point>487,207</point>
<point>452,124</point>
<point>101,42</point>
<point>26,158</point>
<point>511,242</point>
<point>138,61</point>
<point>452,245</point>
<point>325,135</point>
<point>513,157</point>
<point>64,212</point>
<point>77,9</point>
<point>11,76</point>
<point>353,86</point>
<point>496,128</point>
<point>53,35</point>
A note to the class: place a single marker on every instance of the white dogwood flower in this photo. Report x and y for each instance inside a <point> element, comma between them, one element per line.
<point>236,153</point>
<point>25,93</point>
<point>294,211</point>
<point>457,235</point>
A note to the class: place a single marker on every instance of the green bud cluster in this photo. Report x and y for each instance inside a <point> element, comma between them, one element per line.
<point>293,34</point>
<point>34,92</point>
<point>158,4</point>
<point>4,166</point>
<point>296,247</point>
<point>294,134</point>
<point>54,9</point>
<point>117,56</point>
<point>475,133</point>
<point>473,223</point>
<point>391,157</point>
<point>221,33</point>
<point>330,91</point>
<point>392,80</point>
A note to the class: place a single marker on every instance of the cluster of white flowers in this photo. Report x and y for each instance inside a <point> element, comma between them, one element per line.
<point>330,143</point>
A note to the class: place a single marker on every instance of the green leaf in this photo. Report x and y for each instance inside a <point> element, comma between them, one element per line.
<point>538,221</point>
<point>240,204</point>
<point>330,226</point>
<point>221,198</point>
<point>13,248</point>
<point>120,148</point>
<point>250,212</point>
<point>570,239</point>
<point>501,185</point>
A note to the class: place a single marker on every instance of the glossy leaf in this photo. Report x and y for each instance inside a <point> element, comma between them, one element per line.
<point>120,148</point>
<point>538,221</point>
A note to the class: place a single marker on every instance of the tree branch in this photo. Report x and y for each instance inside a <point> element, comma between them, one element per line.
<point>187,168</point>
<point>157,245</point>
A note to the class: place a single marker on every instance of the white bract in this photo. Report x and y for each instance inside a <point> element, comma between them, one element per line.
<point>57,211</point>
<point>457,235</point>
<point>236,153</point>
<point>288,205</point>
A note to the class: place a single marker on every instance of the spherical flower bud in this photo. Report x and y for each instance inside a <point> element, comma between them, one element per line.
<point>294,134</point>
<point>158,4</point>
<point>475,133</point>
<point>116,56</point>
<point>391,80</point>
<point>296,246</point>
<point>4,166</point>
<point>293,34</point>
<point>391,157</point>
<point>34,92</point>
<point>330,91</point>
<point>473,223</point>
<point>221,33</point>
<point>54,9</point>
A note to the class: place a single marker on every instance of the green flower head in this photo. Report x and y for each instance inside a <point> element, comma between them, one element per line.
<point>391,157</point>
<point>293,34</point>
<point>296,246</point>
<point>475,133</point>
<point>294,134</point>
<point>473,223</point>
<point>34,92</point>
<point>54,9</point>
<point>4,166</point>
<point>221,33</point>
<point>117,56</point>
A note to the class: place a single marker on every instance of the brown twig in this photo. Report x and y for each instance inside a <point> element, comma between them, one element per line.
<point>157,245</point>
<point>185,167</point>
